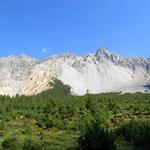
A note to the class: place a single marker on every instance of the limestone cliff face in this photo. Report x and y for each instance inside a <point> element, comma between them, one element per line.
<point>100,72</point>
<point>40,78</point>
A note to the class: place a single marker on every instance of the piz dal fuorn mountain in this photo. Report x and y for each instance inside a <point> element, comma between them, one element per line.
<point>99,72</point>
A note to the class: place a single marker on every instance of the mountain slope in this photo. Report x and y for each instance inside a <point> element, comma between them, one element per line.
<point>96,73</point>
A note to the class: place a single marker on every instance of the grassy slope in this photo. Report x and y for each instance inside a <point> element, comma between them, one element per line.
<point>23,129</point>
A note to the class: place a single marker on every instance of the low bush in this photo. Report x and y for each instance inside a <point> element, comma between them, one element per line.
<point>30,145</point>
<point>96,137</point>
<point>10,144</point>
<point>138,133</point>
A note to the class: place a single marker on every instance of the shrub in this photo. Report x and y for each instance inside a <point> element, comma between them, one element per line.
<point>96,137</point>
<point>138,133</point>
<point>84,121</point>
<point>2,124</point>
<point>9,144</point>
<point>114,107</point>
<point>28,130</point>
<point>30,145</point>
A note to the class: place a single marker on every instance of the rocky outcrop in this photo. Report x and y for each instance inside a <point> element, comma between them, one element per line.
<point>100,72</point>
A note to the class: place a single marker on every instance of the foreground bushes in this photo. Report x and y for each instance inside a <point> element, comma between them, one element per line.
<point>30,145</point>
<point>13,144</point>
<point>96,137</point>
<point>138,133</point>
<point>57,108</point>
<point>10,144</point>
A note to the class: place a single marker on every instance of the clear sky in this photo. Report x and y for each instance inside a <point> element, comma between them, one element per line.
<point>40,28</point>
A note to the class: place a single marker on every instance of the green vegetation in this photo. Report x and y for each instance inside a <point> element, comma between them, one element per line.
<point>56,120</point>
<point>136,132</point>
<point>96,137</point>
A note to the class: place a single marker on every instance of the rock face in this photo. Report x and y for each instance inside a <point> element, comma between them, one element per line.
<point>99,72</point>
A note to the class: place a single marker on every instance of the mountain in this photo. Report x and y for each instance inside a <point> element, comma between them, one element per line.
<point>100,72</point>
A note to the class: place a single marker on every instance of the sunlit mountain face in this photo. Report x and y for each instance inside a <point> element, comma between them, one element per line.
<point>96,73</point>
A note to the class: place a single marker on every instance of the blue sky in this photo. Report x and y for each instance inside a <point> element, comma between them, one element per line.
<point>40,28</point>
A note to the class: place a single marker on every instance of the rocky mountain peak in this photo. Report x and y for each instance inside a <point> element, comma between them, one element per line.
<point>25,75</point>
<point>102,55</point>
<point>102,51</point>
<point>26,57</point>
<point>67,55</point>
